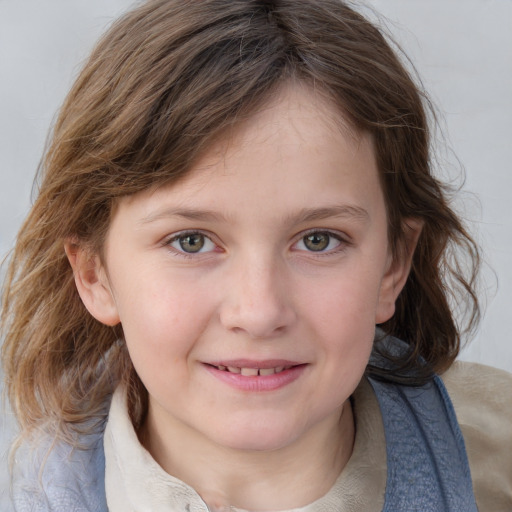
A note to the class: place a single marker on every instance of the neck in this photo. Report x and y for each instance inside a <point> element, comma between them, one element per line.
<point>289,477</point>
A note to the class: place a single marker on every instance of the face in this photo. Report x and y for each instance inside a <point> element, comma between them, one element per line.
<point>248,292</point>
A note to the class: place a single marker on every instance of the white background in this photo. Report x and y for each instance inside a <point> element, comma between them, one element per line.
<point>462,49</point>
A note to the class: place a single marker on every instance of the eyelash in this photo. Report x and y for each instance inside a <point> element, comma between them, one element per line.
<point>342,243</point>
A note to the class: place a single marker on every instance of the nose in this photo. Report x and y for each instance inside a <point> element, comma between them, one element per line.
<point>257,300</point>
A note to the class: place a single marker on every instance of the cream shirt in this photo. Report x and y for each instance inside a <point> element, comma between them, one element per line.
<point>482,398</point>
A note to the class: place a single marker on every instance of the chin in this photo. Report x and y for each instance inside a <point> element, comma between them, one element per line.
<point>256,437</point>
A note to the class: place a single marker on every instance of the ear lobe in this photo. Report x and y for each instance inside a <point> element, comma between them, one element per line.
<point>92,283</point>
<point>398,271</point>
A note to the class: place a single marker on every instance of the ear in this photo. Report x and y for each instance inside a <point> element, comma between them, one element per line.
<point>398,270</point>
<point>92,283</point>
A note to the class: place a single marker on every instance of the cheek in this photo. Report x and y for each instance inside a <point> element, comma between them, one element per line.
<point>350,297</point>
<point>162,322</point>
<point>341,314</point>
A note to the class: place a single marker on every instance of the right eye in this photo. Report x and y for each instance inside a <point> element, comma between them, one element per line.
<point>319,242</point>
<point>191,243</point>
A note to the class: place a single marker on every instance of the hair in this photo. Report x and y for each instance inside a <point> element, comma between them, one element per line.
<point>164,82</point>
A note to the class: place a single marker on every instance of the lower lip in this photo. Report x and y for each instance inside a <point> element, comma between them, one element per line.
<point>258,383</point>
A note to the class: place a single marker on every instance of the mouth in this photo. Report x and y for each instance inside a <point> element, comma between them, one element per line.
<point>252,371</point>
<point>256,376</point>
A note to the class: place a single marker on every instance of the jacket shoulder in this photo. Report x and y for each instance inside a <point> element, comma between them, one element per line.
<point>482,399</point>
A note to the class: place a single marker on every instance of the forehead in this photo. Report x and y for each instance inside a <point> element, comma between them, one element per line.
<point>294,112</point>
<point>295,151</point>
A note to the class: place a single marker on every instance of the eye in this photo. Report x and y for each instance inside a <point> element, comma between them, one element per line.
<point>191,243</point>
<point>319,241</point>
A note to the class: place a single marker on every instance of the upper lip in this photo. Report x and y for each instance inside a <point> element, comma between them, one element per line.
<point>251,363</point>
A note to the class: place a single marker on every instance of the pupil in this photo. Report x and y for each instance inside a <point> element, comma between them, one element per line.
<point>192,243</point>
<point>316,241</point>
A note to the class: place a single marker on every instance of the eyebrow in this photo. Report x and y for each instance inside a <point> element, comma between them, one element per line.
<point>302,216</point>
<point>184,213</point>
<point>335,211</point>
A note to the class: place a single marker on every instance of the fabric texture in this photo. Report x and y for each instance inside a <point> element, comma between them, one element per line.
<point>427,465</point>
<point>70,480</point>
<point>482,399</point>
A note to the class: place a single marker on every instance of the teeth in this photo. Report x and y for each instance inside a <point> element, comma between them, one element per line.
<point>249,372</point>
<point>252,372</point>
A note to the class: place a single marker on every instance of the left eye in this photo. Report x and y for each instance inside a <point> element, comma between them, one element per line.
<point>318,241</point>
<point>192,243</point>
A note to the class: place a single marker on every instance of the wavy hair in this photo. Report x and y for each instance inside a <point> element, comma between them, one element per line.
<point>163,83</point>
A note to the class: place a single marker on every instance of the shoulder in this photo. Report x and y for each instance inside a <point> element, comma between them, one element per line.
<point>482,399</point>
<point>53,475</point>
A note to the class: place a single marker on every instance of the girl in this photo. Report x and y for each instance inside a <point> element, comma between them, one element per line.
<point>233,290</point>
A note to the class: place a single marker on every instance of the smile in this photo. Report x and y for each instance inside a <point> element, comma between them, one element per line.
<point>253,376</point>
<point>252,372</point>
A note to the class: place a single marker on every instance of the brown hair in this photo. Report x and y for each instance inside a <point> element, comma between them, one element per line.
<point>165,81</point>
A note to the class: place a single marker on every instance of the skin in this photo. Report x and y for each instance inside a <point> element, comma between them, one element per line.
<point>256,291</point>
